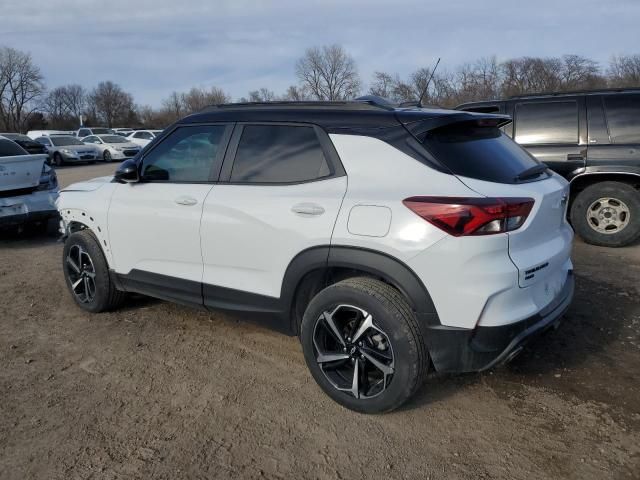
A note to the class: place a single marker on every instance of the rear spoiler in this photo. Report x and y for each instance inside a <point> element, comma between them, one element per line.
<point>418,127</point>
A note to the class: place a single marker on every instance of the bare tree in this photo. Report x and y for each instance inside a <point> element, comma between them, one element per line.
<point>624,71</point>
<point>198,98</point>
<point>329,73</point>
<point>386,85</point>
<point>261,95</point>
<point>173,106</point>
<point>112,104</point>
<point>75,99</point>
<point>297,93</point>
<point>21,86</point>
<point>480,79</point>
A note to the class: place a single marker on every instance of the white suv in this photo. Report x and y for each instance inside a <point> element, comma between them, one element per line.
<point>393,241</point>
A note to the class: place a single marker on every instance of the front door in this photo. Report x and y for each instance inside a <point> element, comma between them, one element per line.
<point>154,225</point>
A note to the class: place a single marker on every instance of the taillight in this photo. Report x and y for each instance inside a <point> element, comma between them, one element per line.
<point>472,216</point>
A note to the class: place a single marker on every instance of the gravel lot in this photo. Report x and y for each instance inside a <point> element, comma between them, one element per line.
<point>157,390</point>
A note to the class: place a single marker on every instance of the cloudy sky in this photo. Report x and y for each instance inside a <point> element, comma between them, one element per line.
<point>152,47</point>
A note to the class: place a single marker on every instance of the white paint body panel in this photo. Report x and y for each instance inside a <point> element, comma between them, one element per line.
<point>149,231</point>
<point>250,233</point>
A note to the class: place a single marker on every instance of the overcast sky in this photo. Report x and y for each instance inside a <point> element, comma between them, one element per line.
<point>152,47</point>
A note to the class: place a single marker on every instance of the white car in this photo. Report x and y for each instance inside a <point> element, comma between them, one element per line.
<point>143,137</point>
<point>113,147</point>
<point>390,240</point>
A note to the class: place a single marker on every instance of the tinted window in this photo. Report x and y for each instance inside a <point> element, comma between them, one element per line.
<point>9,148</point>
<point>484,153</point>
<point>43,141</point>
<point>100,131</point>
<point>112,139</point>
<point>596,126</point>
<point>84,132</point>
<point>143,135</point>
<point>91,139</point>
<point>187,155</point>
<point>278,154</point>
<point>623,118</point>
<point>546,122</point>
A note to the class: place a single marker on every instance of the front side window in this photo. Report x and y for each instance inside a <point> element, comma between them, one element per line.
<point>91,139</point>
<point>279,154</point>
<point>43,141</point>
<point>542,123</point>
<point>623,118</point>
<point>188,154</point>
<point>64,141</point>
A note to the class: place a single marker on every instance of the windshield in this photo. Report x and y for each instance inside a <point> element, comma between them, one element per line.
<point>15,136</point>
<point>483,153</point>
<point>112,139</point>
<point>60,141</point>
<point>98,131</point>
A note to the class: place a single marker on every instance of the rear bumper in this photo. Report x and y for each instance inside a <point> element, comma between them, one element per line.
<point>34,207</point>
<point>464,350</point>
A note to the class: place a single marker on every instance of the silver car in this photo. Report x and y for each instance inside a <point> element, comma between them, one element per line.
<point>113,147</point>
<point>67,149</point>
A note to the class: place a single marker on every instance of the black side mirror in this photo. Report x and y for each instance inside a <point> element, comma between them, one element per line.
<point>127,172</point>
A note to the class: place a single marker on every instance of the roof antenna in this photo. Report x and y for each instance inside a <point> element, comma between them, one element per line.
<point>424,91</point>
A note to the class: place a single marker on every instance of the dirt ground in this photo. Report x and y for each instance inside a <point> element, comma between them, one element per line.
<point>157,390</point>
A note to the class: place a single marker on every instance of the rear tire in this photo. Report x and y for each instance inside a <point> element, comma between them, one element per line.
<point>607,214</point>
<point>374,321</point>
<point>87,274</point>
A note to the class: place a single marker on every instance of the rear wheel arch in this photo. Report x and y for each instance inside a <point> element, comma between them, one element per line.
<point>582,181</point>
<point>315,269</point>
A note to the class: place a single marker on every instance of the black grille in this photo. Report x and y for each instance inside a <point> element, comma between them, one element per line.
<point>130,153</point>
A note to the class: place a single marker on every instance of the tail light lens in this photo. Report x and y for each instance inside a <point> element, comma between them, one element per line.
<point>460,216</point>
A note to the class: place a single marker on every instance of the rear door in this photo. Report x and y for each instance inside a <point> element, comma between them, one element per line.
<point>553,130</point>
<point>283,190</point>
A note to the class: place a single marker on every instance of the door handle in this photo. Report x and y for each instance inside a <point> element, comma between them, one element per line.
<point>184,200</point>
<point>575,156</point>
<point>307,209</point>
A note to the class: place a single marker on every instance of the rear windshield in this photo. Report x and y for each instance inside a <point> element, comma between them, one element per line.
<point>483,153</point>
<point>64,141</point>
<point>10,149</point>
<point>98,131</point>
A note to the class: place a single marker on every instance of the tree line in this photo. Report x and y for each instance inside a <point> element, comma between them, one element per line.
<point>322,73</point>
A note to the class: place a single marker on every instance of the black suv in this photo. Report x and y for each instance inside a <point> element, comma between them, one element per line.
<point>591,138</point>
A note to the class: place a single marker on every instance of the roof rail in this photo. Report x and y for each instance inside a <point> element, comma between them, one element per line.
<point>574,92</point>
<point>358,103</point>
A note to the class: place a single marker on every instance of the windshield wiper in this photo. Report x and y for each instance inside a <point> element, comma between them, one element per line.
<point>531,172</point>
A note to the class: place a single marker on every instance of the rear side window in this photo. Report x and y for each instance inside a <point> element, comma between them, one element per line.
<point>623,118</point>
<point>10,149</point>
<point>279,154</point>
<point>483,153</point>
<point>547,123</point>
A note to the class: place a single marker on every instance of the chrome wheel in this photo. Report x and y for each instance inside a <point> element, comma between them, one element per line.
<point>354,354</point>
<point>608,215</point>
<point>81,274</point>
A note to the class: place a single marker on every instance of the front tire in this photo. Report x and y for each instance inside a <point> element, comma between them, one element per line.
<point>87,274</point>
<point>363,346</point>
<point>106,156</point>
<point>607,214</point>
<point>58,160</point>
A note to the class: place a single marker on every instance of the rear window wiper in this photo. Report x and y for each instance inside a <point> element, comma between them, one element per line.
<point>531,172</point>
